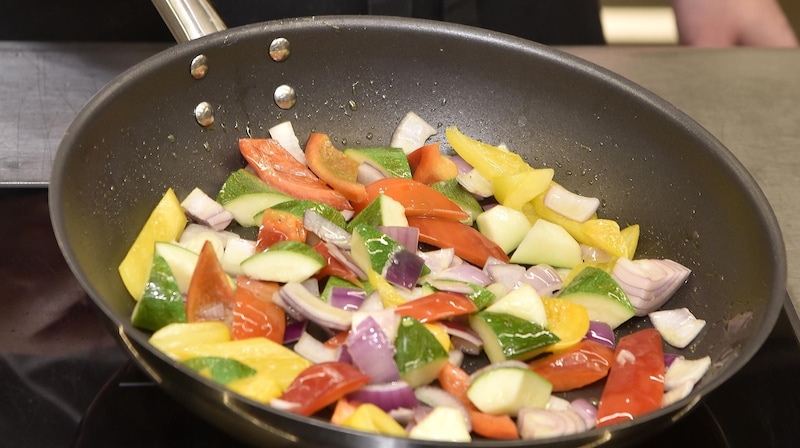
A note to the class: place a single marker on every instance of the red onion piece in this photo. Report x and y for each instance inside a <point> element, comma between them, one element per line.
<point>372,352</point>
<point>451,286</point>
<point>589,253</point>
<point>669,358</point>
<point>602,333</point>
<point>686,371</point>
<point>284,134</point>
<point>296,296</point>
<point>386,318</point>
<point>462,165</point>
<point>404,269</point>
<point>464,338</point>
<point>582,407</point>
<point>294,330</point>
<point>326,230</point>
<point>387,396</point>
<point>455,357</point>
<point>202,209</point>
<point>411,133</point>
<point>649,283</point>
<point>542,424</point>
<point>408,237</point>
<point>348,299</point>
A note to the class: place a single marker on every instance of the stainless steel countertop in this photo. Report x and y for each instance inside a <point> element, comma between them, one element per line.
<point>748,98</point>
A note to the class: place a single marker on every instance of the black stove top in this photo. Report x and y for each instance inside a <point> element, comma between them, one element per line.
<point>64,383</point>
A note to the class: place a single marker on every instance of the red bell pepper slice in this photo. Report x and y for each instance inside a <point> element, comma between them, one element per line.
<point>279,225</point>
<point>575,367</point>
<point>635,384</point>
<point>417,198</point>
<point>333,266</point>
<point>468,243</point>
<point>280,170</point>
<point>209,289</point>
<point>429,166</point>
<point>334,167</point>
<point>322,384</point>
<point>254,312</point>
<point>437,306</point>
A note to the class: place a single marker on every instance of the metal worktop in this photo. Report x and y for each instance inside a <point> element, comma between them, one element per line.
<point>748,98</point>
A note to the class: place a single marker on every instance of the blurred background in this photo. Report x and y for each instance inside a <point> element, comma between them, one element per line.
<point>643,22</point>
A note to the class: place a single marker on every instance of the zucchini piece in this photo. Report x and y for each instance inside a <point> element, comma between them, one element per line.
<point>162,302</point>
<point>420,356</point>
<point>510,337</point>
<point>602,296</point>
<point>284,262</point>
<point>506,390</point>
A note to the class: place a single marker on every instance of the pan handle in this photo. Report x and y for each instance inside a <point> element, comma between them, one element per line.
<point>189,19</point>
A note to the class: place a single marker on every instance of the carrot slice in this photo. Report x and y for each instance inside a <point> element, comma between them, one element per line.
<point>254,312</point>
<point>334,167</point>
<point>280,170</point>
<point>279,225</point>
<point>430,166</point>
<point>468,243</point>
<point>208,288</point>
<point>417,198</point>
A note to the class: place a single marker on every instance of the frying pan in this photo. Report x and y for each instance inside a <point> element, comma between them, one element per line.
<point>355,78</point>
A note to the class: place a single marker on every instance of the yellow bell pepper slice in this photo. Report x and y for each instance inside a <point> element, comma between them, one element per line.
<point>166,223</point>
<point>370,418</point>
<point>490,161</point>
<point>516,190</point>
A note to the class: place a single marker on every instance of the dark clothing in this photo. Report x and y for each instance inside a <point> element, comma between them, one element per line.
<point>553,22</point>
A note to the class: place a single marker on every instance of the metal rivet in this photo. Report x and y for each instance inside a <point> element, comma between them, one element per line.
<point>199,66</point>
<point>279,49</point>
<point>204,114</point>
<point>285,97</point>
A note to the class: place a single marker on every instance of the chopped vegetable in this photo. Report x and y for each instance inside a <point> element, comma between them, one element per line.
<point>575,367</point>
<point>322,384</point>
<point>334,167</point>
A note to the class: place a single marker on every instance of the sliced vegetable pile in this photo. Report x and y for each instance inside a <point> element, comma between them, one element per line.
<point>334,310</point>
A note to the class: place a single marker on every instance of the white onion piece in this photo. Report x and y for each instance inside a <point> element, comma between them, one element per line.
<point>368,173</point>
<point>570,205</point>
<point>438,260</point>
<point>686,371</point>
<point>411,133</point>
<point>284,134</point>
<point>676,394</point>
<point>544,279</point>
<point>455,357</point>
<point>372,352</point>
<point>437,397</point>
<point>556,403</point>
<point>649,283</point>
<point>388,396</point>
<point>371,303</point>
<point>542,424</point>
<point>589,253</point>
<point>326,230</point>
<point>296,296</point>
<point>315,351</point>
<point>475,183</point>
<point>404,416</point>
<point>194,236</point>
<point>506,274</point>
<point>466,273</point>
<point>678,327</point>
<point>203,209</point>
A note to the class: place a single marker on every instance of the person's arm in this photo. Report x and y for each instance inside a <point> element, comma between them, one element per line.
<point>733,22</point>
